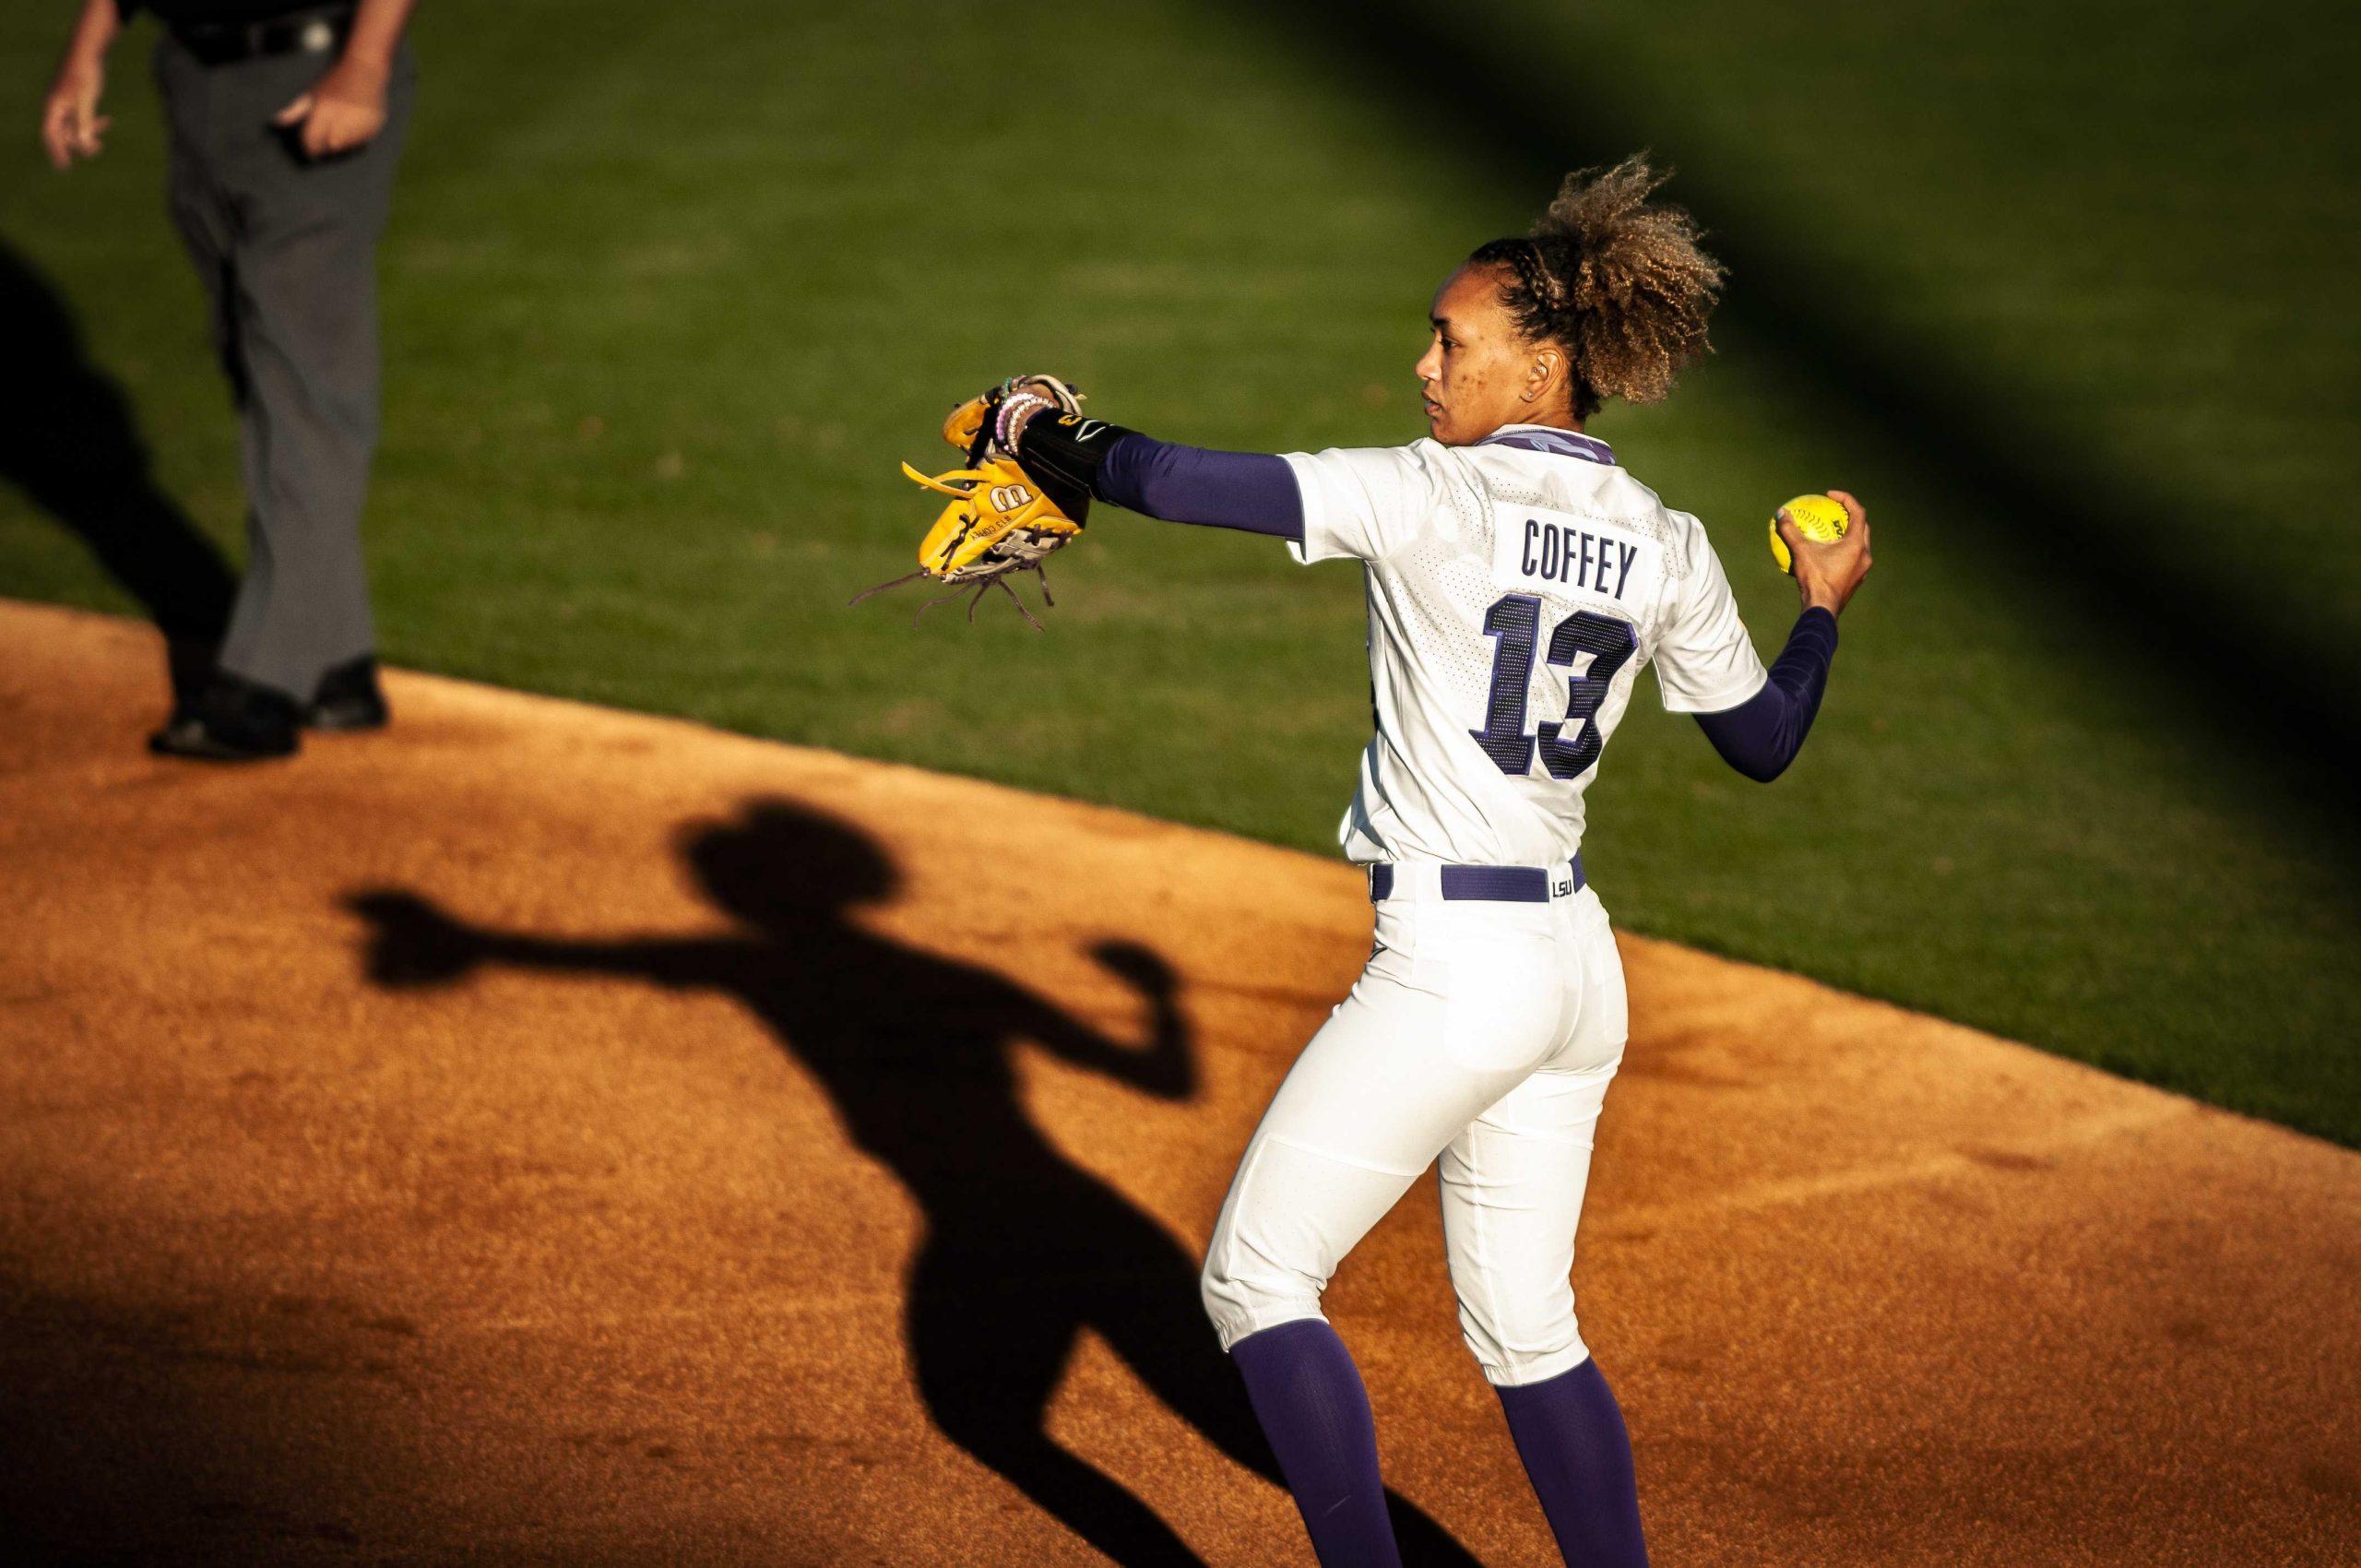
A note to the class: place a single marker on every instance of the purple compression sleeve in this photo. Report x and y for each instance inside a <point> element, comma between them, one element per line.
<point>1761,735</point>
<point>1253,491</point>
<point>1570,1433</point>
<point>1308,1396</point>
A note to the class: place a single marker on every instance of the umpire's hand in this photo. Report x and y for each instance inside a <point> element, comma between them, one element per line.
<point>71,126</point>
<point>343,109</point>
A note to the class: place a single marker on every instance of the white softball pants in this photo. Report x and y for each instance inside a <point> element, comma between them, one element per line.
<point>1482,1033</point>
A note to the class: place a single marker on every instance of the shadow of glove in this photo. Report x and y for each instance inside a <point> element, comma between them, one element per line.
<point>414,944</point>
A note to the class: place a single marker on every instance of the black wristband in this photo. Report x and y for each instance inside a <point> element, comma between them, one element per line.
<point>1061,453</point>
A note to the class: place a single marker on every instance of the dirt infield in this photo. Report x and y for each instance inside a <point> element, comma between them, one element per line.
<point>547,1135</point>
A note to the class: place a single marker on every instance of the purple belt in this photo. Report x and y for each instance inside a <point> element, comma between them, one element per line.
<point>1497,884</point>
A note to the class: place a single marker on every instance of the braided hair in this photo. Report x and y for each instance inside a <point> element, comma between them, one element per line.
<point>1618,281</point>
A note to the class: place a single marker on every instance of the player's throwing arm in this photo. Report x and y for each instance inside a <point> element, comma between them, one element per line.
<point>1519,578</point>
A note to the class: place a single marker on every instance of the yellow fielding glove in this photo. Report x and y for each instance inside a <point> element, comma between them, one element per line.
<point>997,522</point>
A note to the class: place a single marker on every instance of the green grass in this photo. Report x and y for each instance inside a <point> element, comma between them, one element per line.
<point>672,289</point>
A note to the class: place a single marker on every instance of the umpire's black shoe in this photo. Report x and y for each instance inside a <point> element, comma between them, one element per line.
<point>348,698</point>
<point>232,720</point>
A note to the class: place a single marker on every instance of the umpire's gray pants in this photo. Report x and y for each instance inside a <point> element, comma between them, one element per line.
<point>287,250</point>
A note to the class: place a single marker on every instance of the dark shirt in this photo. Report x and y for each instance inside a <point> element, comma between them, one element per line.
<point>172,12</point>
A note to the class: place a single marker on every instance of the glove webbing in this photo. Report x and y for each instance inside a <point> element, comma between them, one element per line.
<point>997,581</point>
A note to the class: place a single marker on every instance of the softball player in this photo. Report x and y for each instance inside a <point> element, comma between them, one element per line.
<point>1518,578</point>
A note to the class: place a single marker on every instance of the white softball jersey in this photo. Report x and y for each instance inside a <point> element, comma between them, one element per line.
<point>1515,588</point>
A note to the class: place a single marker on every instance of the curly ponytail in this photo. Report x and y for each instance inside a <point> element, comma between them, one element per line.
<point>1618,281</point>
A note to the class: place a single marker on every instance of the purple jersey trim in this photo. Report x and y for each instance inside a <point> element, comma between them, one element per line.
<point>1251,490</point>
<point>1761,735</point>
<point>1565,443</point>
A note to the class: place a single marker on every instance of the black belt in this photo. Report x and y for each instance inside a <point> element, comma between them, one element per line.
<point>1497,884</point>
<point>306,33</point>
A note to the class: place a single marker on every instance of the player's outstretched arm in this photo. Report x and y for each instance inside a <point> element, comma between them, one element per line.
<point>415,942</point>
<point>1070,455</point>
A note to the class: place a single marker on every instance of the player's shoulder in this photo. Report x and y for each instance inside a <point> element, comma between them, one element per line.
<point>1628,502</point>
<point>1433,458</point>
<point>1640,499</point>
<point>1373,501</point>
<point>1687,526</point>
<point>1637,498</point>
<point>1420,462</point>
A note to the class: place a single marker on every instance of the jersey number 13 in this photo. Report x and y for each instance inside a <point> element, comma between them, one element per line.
<point>1567,748</point>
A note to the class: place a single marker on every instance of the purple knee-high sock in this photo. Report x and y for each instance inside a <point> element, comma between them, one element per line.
<point>1570,1433</point>
<point>1308,1394</point>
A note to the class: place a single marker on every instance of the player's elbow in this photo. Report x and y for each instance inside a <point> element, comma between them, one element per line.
<point>1759,756</point>
<point>1759,738</point>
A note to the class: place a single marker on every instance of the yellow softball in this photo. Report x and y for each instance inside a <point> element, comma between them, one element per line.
<point>1818,517</point>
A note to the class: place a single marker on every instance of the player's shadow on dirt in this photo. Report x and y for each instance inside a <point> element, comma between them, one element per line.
<point>1024,1250</point>
<point>70,444</point>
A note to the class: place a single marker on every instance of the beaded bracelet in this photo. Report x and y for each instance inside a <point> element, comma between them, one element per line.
<point>1012,409</point>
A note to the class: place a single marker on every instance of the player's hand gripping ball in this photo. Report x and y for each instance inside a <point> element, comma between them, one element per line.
<point>1818,517</point>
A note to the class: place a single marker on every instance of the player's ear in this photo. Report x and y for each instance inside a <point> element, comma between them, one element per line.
<point>1546,365</point>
